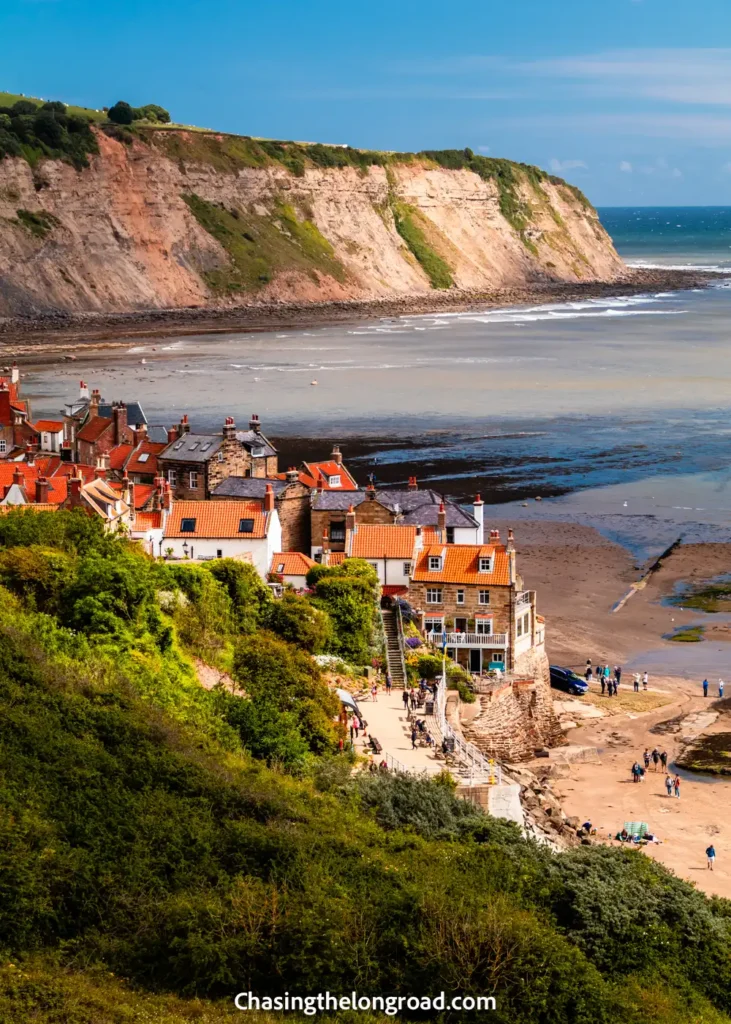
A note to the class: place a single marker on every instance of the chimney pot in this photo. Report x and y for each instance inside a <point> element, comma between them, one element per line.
<point>42,488</point>
<point>337,455</point>
<point>269,499</point>
<point>254,423</point>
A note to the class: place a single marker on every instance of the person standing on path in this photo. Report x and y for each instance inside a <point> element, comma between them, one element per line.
<point>655,759</point>
<point>637,682</point>
<point>617,674</point>
<point>705,687</point>
<point>405,699</point>
<point>355,726</point>
<point>615,686</point>
<point>414,737</point>
<point>669,785</point>
<point>389,683</point>
<point>602,684</point>
<point>720,687</point>
<point>374,692</point>
<point>646,758</point>
<point>711,856</point>
<point>676,786</point>
<point>645,681</point>
<point>587,673</point>
<point>664,759</point>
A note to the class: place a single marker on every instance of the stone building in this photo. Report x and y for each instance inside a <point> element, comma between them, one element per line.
<point>471,598</point>
<point>195,464</point>
<point>291,498</point>
<point>100,434</point>
<point>410,507</point>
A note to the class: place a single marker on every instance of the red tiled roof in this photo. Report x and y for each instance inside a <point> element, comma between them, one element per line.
<point>147,521</point>
<point>217,519</point>
<point>337,557</point>
<point>291,563</point>
<point>4,509</point>
<point>145,465</point>
<point>317,474</point>
<point>461,564</point>
<point>119,455</point>
<point>143,493</point>
<point>50,426</point>
<point>75,469</point>
<point>383,541</point>
<point>393,590</point>
<point>93,429</point>
<point>57,486</point>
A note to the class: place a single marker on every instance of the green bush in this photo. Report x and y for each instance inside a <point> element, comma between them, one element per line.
<point>347,592</point>
<point>297,621</point>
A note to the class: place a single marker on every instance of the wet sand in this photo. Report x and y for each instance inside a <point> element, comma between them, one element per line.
<point>580,575</point>
<point>56,332</point>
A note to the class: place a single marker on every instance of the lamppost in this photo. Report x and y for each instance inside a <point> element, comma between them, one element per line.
<point>185,548</point>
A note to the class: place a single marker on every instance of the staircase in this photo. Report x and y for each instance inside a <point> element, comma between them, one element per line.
<point>394,652</point>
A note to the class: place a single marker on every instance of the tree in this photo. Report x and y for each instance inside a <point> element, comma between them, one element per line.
<point>154,112</point>
<point>295,620</point>
<point>250,596</point>
<point>121,113</point>
<point>347,593</point>
<point>24,107</point>
<point>47,129</point>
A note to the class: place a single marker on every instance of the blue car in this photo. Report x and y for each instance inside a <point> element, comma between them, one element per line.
<point>567,680</point>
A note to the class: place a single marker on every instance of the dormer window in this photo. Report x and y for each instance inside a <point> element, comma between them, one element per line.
<point>435,563</point>
<point>257,453</point>
<point>485,565</point>
<point>333,481</point>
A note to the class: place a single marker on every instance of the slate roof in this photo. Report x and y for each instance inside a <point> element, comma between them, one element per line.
<point>252,439</point>
<point>135,415</point>
<point>194,448</point>
<point>251,487</point>
<point>419,508</point>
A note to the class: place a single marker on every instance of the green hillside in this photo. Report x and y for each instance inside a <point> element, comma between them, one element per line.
<point>165,846</point>
<point>8,99</point>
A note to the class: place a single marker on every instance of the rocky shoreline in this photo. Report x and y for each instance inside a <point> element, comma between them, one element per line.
<point>60,331</point>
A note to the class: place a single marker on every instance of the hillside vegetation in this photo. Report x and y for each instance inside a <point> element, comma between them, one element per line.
<point>164,846</point>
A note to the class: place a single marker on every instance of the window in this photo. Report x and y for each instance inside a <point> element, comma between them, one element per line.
<point>193,479</point>
<point>187,525</point>
<point>450,535</point>
<point>460,597</point>
<point>172,477</point>
<point>220,456</point>
<point>374,565</point>
<point>526,622</point>
<point>485,564</point>
<point>519,628</point>
<point>433,625</point>
<point>434,595</point>
<point>435,563</point>
<point>3,446</point>
<point>407,568</point>
<point>257,453</point>
<point>333,481</point>
<point>143,457</point>
<point>204,447</point>
<point>483,627</point>
<point>246,525</point>
<point>483,597</point>
<point>280,567</point>
<point>178,445</point>
<point>219,553</point>
<point>337,532</point>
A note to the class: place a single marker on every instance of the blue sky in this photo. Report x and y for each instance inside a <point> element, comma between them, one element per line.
<point>629,99</point>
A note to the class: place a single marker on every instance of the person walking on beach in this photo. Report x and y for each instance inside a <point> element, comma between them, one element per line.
<point>705,687</point>
<point>645,681</point>
<point>617,675</point>
<point>637,682</point>
<point>607,673</point>
<point>664,759</point>
<point>669,785</point>
<point>711,856</point>
<point>602,684</point>
<point>587,673</point>
<point>646,758</point>
<point>720,687</point>
<point>676,786</point>
<point>636,772</point>
<point>655,759</point>
<point>615,686</point>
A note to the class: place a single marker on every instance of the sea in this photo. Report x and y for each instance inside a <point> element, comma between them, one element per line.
<point>617,408</point>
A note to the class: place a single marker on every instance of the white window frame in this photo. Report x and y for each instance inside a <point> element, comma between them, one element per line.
<point>3,446</point>
<point>485,564</point>
<point>483,627</point>
<point>334,481</point>
<point>483,597</point>
<point>173,477</point>
<point>434,595</point>
<point>193,479</point>
<point>431,620</point>
<point>435,563</point>
<point>460,597</point>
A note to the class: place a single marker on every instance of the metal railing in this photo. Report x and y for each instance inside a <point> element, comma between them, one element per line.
<point>468,639</point>
<point>478,768</point>
<point>401,643</point>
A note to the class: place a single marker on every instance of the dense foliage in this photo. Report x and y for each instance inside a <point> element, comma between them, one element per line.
<point>34,132</point>
<point>347,593</point>
<point>123,113</point>
<point>143,833</point>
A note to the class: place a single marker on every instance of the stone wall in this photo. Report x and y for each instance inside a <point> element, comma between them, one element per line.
<point>516,716</point>
<point>369,511</point>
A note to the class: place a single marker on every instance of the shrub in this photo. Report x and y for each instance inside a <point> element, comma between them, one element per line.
<point>297,621</point>
<point>121,113</point>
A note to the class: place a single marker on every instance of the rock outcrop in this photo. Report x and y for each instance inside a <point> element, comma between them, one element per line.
<point>163,221</point>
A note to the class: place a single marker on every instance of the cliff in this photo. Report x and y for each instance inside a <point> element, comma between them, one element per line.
<point>164,219</point>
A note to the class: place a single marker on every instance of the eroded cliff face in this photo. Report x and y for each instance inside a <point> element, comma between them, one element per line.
<point>142,229</point>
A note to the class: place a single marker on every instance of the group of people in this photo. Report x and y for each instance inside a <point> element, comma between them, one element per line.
<point>720,687</point>
<point>414,698</point>
<point>609,679</point>
<point>657,757</point>
<point>420,733</point>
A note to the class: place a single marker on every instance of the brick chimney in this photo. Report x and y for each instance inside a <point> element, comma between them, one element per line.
<point>83,390</point>
<point>119,415</point>
<point>229,429</point>
<point>510,546</point>
<point>292,475</point>
<point>442,522</point>
<point>370,493</point>
<point>478,512</point>
<point>6,414</point>
<point>75,485</point>
<point>42,489</point>
<point>269,499</point>
<point>325,560</point>
<point>172,434</point>
<point>184,425</point>
<point>337,455</point>
<point>350,520</point>
<point>30,457</point>
<point>254,424</point>
<point>494,536</point>
<point>94,403</point>
<point>413,484</point>
<point>14,374</point>
<point>139,434</point>
<point>18,478</point>
<point>128,491</point>
<point>102,467</point>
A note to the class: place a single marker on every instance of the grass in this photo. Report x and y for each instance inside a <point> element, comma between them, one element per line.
<point>260,247</point>
<point>38,222</point>
<point>709,754</point>
<point>711,596</point>
<point>686,635</point>
<point>7,99</point>
<point>413,226</point>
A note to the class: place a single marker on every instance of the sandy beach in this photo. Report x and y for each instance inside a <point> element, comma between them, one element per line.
<point>580,575</point>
